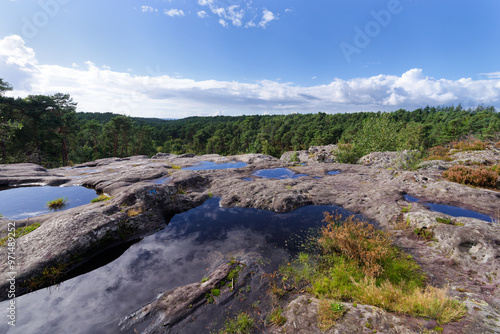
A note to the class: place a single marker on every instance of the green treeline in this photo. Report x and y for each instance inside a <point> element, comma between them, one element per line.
<point>47,130</point>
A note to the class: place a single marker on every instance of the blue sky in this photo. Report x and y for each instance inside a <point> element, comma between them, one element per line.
<point>177,58</point>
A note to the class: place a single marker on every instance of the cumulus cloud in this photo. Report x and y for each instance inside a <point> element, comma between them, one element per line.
<point>267,16</point>
<point>100,89</point>
<point>174,12</point>
<point>202,14</point>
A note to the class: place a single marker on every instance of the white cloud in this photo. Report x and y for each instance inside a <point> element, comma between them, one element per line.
<point>491,75</point>
<point>288,10</point>
<point>202,14</point>
<point>223,23</point>
<point>235,14</point>
<point>267,16</point>
<point>157,95</point>
<point>146,9</point>
<point>174,12</point>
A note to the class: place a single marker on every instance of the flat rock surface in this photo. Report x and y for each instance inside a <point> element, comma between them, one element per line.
<point>146,193</point>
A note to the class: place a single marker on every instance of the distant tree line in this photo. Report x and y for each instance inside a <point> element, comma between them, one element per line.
<point>47,130</point>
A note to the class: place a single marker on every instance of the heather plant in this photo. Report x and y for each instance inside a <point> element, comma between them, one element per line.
<point>470,144</point>
<point>356,240</point>
<point>438,153</point>
<point>481,176</point>
<point>359,263</point>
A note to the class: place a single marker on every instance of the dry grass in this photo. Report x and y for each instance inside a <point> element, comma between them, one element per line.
<point>430,302</point>
<point>134,212</point>
<point>358,241</point>
<point>482,176</point>
<point>359,263</point>
<point>439,153</point>
<point>328,314</point>
<point>470,144</point>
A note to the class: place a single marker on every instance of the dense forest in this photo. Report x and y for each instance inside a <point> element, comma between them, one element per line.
<point>47,130</point>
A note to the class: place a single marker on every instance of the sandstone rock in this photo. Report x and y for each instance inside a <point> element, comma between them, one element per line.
<point>313,154</point>
<point>377,193</point>
<point>172,306</point>
<point>302,318</point>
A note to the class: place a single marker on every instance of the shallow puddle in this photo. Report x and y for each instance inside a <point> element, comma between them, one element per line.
<point>25,202</point>
<point>333,172</point>
<point>193,243</point>
<point>450,210</point>
<point>162,180</point>
<point>207,165</point>
<point>277,173</point>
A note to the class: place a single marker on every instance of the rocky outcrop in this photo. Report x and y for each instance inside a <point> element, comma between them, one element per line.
<point>302,318</point>
<point>463,255</point>
<point>313,154</point>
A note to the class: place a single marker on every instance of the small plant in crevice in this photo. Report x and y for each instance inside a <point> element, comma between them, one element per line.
<point>134,212</point>
<point>57,203</point>
<point>407,209</point>
<point>101,198</point>
<point>447,221</point>
<point>242,324</point>
<point>424,233</point>
<point>328,314</point>
<point>276,317</point>
<point>19,232</point>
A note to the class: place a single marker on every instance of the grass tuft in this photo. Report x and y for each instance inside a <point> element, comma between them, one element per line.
<point>57,203</point>
<point>328,314</point>
<point>359,263</point>
<point>134,212</point>
<point>101,198</point>
<point>20,231</point>
<point>276,317</point>
<point>242,324</point>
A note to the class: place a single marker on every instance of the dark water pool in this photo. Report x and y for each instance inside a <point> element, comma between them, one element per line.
<point>277,173</point>
<point>206,165</point>
<point>25,202</point>
<point>194,243</point>
<point>451,210</point>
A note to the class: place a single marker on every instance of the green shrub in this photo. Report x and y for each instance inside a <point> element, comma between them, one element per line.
<point>347,154</point>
